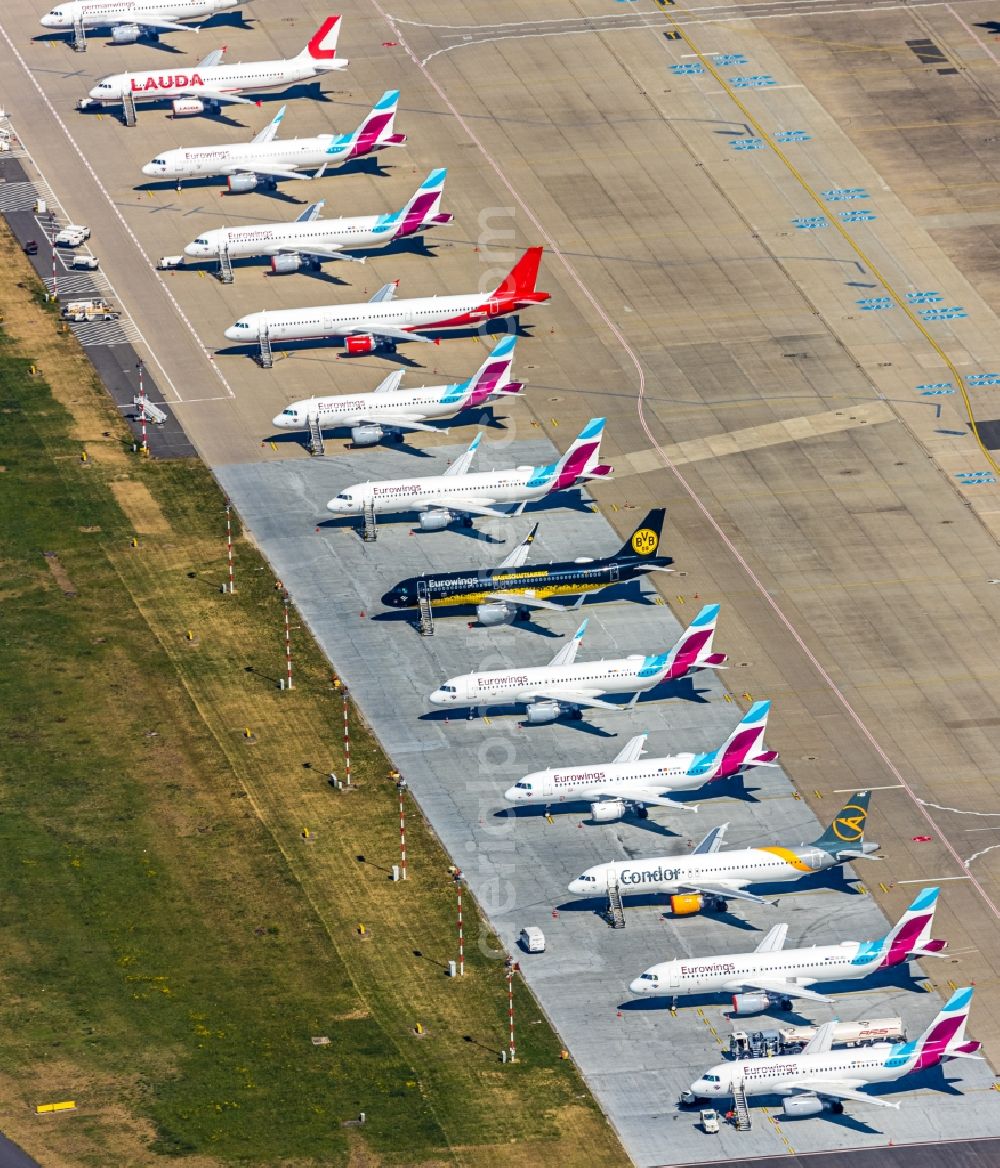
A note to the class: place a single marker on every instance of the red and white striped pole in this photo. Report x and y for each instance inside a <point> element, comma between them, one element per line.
<point>401,788</point>
<point>461,934</point>
<point>510,1005</point>
<point>229,544</point>
<point>142,411</point>
<point>52,245</point>
<point>288,648</point>
<point>347,738</point>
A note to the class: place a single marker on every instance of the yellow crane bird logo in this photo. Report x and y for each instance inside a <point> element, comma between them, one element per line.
<point>849,825</point>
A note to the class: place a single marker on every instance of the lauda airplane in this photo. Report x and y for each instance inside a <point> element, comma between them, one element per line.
<point>562,686</point>
<point>267,158</point>
<point>211,84</point>
<point>383,322</point>
<point>631,782</point>
<point>772,975</point>
<point>308,240</point>
<point>458,495</point>
<point>391,410</point>
<point>130,19</point>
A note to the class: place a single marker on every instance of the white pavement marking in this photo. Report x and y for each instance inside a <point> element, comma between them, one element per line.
<point>851,790</point>
<point>709,518</point>
<point>959,811</point>
<point>976,855</point>
<point>936,879</point>
<point>128,230</point>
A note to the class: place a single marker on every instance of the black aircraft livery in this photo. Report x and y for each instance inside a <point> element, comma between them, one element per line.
<point>542,581</point>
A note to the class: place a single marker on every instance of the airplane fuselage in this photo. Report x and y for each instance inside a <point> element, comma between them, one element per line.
<point>286,153</point>
<point>105,13</point>
<point>165,83</point>
<point>396,495</point>
<point>271,238</point>
<point>589,782</point>
<point>778,1076</point>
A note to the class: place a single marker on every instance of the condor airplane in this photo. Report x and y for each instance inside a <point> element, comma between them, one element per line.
<point>772,975</point>
<point>383,322</point>
<point>629,782</point>
<point>509,591</point>
<point>708,878</point>
<point>267,158</point>
<point>390,410</point>
<point>309,240</point>
<point>562,686</point>
<point>822,1079</point>
<point>456,494</point>
<point>130,19</point>
<point>210,84</point>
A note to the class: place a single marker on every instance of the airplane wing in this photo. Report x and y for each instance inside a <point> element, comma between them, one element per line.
<point>567,654</point>
<point>650,568</point>
<point>527,601</point>
<point>311,212</point>
<point>269,131</point>
<point>517,557</point>
<point>391,383</point>
<point>788,989</point>
<point>213,95</point>
<point>571,697</point>
<point>774,942</point>
<point>461,464</point>
<point>725,890</point>
<point>155,22</point>
<point>272,172</point>
<point>836,1089</point>
<point>214,58</point>
<point>645,795</point>
<point>469,506</point>
<point>404,423</point>
<point>821,1041</point>
<point>383,330</point>
<point>712,842</point>
<point>633,749</point>
<point>385,293</point>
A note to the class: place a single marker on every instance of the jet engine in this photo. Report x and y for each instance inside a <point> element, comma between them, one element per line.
<point>187,107</point>
<point>436,520</point>
<point>280,264</point>
<point>683,904</point>
<point>125,34</point>
<point>541,712</point>
<point>752,1003</point>
<point>239,184</point>
<point>799,1106</point>
<point>366,343</point>
<point>368,436</point>
<point>608,812</point>
<point>495,613</point>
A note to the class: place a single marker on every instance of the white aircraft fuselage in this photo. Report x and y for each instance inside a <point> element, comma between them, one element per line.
<point>422,404</point>
<point>286,152</point>
<point>102,13</point>
<point>164,84</point>
<point>779,1076</point>
<point>562,784</point>
<point>271,238</point>
<point>396,495</point>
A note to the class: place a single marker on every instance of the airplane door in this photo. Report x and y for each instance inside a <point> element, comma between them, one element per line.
<point>675,976</point>
<point>493,307</point>
<point>614,574</point>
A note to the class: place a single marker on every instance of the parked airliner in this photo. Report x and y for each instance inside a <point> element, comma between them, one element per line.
<point>458,495</point>
<point>822,1079</point>
<point>709,878</point>
<point>390,410</point>
<point>631,782</point>
<point>772,975</point>
<point>247,165</point>
<point>562,686</point>
<point>129,19</point>
<point>210,84</point>
<point>383,322</point>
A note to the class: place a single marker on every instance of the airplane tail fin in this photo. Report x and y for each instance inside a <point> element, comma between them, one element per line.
<point>376,131</point>
<point>582,460</point>
<point>644,541</point>
<point>493,377</point>
<point>911,935</point>
<point>519,283</point>
<point>270,131</point>
<point>321,51</point>
<point>944,1038</point>
<point>743,748</point>
<point>845,837</point>
<point>694,648</point>
<point>423,208</point>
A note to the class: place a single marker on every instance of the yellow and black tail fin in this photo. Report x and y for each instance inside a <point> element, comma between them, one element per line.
<point>644,542</point>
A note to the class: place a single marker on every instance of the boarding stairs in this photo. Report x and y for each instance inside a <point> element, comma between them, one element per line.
<point>369,532</point>
<point>744,1120</point>
<point>426,625</point>
<point>265,359</point>
<point>317,446</point>
<point>615,914</point>
<point>79,36</point>
<point>128,109</point>
<point>152,413</point>
<point>225,273</point>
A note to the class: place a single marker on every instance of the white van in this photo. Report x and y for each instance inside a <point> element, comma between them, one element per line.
<point>532,940</point>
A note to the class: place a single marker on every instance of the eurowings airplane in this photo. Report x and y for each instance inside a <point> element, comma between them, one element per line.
<point>390,410</point>
<point>708,878</point>
<point>562,686</point>
<point>510,590</point>
<point>130,19</point>
<point>631,782</point>
<point>308,240</point>
<point>383,322</point>
<point>210,83</point>
<point>458,495</point>
<point>772,975</point>
<point>822,1079</point>
<point>260,163</point>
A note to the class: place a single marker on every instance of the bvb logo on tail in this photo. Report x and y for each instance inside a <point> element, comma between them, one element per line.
<point>849,825</point>
<point>645,541</point>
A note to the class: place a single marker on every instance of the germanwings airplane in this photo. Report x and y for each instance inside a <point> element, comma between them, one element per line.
<point>629,782</point>
<point>562,686</point>
<point>267,158</point>
<point>772,975</point>
<point>383,322</point>
<point>309,240</point>
<point>458,495</point>
<point>129,19</point>
<point>391,410</point>
<point>210,84</point>
<point>708,878</point>
<point>821,1078</point>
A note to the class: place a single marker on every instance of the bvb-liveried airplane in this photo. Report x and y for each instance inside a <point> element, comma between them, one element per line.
<point>383,322</point>
<point>509,591</point>
<point>563,686</point>
<point>709,877</point>
<point>210,84</point>
<point>130,19</point>
<point>390,410</point>
<point>772,975</point>
<point>458,495</point>
<point>821,1078</point>
<point>629,781</point>
<point>260,163</point>
<point>308,240</point>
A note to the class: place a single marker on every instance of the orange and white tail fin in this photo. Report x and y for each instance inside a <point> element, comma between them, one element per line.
<point>321,51</point>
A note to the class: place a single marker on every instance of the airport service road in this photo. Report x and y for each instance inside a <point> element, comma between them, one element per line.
<point>634,1055</point>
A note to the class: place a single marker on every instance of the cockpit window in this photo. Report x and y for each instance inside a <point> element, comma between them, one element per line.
<point>343,495</point>
<point>203,240</point>
<point>523,786</point>
<point>648,977</point>
<point>291,414</point>
<point>159,162</point>
<point>448,689</point>
<point>242,324</point>
<point>587,879</point>
<point>712,1079</point>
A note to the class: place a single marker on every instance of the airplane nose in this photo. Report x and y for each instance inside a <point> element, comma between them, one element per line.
<point>150,169</point>
<point>235,334</point>
<point>638,986</point>
<point>280,421</point>
<point>512,794</point>
<point>47,21</point>
<point>192,249</point>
